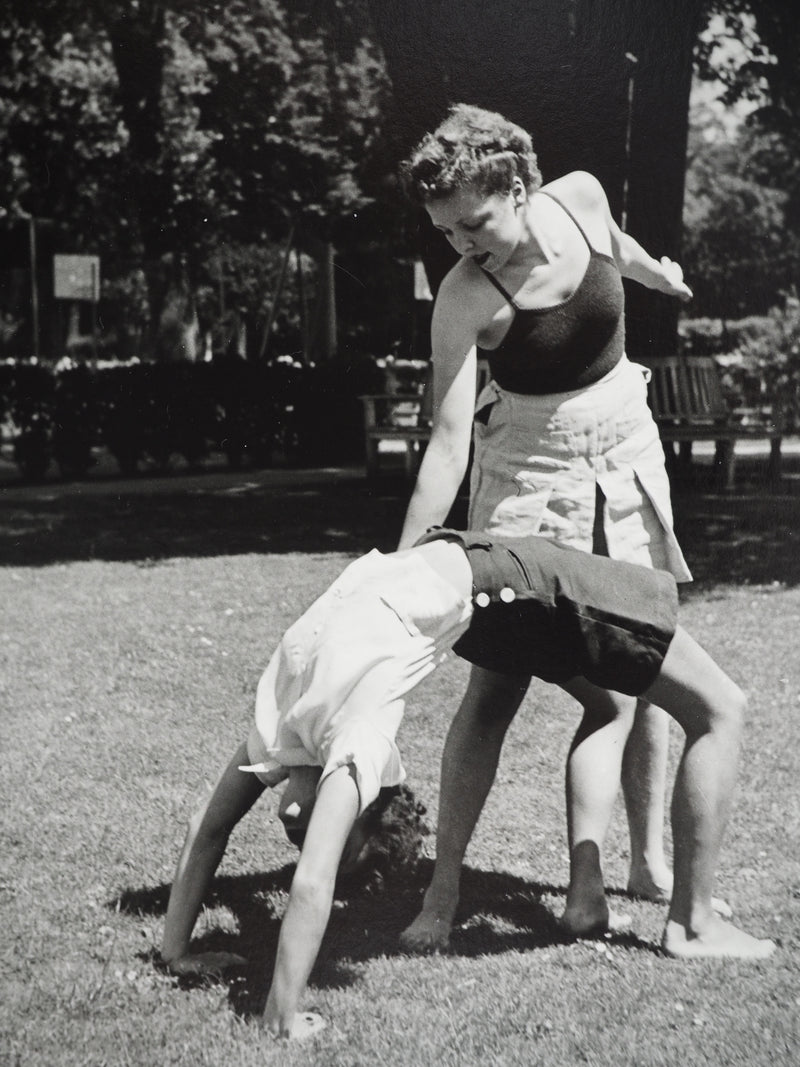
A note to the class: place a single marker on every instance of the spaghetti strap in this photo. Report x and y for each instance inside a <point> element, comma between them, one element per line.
<point>487,274</point>
<point>567,212</point>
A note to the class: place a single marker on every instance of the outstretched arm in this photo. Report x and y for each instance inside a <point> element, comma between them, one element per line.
<point>635,263</point>
<point>310,900</point>
<point>584,193</point>
<point>203,848</point>
<point>663,274</point>
<point>454,372</point>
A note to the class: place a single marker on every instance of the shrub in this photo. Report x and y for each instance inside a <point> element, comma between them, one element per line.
<point>30,409</point>
<point>328,416</point>
<point>255,412</point>
<point>769,367</point>
<point>75,429</point>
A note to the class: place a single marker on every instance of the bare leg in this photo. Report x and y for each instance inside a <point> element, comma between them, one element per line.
<point>710,708</point>
<point>644,781</point>
<point>593,776</point>
<point>644,774</point>
<point>469,765</point>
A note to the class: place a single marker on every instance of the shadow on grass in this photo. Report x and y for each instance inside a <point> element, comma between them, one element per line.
<point>498,912</point>
<point>204,520</point>
<point>750,536</point>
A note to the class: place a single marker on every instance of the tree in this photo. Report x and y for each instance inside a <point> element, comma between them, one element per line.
<point>760,67</point>
<point>231,119</point>
<point>738,253</point>
<point>563,71</point>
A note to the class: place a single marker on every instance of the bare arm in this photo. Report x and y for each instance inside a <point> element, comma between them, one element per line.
<point>310,900</point>
<point>203,848</point>
<point>586,194</point>
<point>454,371</point>
<point>664,275</point>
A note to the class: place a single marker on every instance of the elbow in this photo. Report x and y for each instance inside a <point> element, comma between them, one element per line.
<point>623,254</point>
<point>311,892</point>
<point>450,458</point>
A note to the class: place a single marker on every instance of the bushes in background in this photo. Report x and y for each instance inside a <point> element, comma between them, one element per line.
<point>759,358</point>
<point>146,413</point>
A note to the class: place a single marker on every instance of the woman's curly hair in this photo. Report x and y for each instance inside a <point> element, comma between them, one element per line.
<point>471,147</point>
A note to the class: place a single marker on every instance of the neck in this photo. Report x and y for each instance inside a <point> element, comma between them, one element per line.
<point>534,248</point>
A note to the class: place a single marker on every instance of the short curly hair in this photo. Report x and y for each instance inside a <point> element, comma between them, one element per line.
<point>471,147</point>
<point>397,828</point>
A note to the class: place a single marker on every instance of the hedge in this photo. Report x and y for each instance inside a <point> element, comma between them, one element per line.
<point>255,413</point>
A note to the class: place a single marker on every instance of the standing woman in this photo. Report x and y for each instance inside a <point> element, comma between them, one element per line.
<point>565,447</point>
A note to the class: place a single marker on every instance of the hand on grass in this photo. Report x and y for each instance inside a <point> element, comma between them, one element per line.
<point>305,1025</point>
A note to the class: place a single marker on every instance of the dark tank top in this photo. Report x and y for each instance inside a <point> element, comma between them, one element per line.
<point>568,345</point>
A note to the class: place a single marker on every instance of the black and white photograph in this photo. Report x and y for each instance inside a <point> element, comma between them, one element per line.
<point>400,533</point>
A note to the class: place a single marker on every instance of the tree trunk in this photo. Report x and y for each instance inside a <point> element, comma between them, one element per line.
<point>561,71</point>
<point>137,47</point>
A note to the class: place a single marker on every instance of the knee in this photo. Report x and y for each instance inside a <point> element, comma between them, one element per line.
<point>735,707</point>
<point>603,706</point>
<point>724,713</point>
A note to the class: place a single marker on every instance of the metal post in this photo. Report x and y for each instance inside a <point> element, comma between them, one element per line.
<point>95,297</point>
<point>34,286</point>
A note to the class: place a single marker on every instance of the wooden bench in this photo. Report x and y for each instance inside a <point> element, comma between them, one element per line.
<point>404,417</point>
<point>688,404</point>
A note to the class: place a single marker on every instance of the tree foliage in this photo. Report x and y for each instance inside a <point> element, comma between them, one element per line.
<point>742,213</point>
<point>737,251</point>
<point>158,131</point>
<point>751,47</point>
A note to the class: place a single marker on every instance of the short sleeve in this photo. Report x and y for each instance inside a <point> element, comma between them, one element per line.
<point>374,757</point>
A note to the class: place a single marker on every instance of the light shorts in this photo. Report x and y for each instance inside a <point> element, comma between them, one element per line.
<point>539,461</point>
<point>334,692</point>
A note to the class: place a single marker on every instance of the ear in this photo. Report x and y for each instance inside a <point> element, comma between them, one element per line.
<point>518,192</point>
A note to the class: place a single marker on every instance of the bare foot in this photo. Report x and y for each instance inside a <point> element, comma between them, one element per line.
<point>719,940</point>
<point>210,963</point>
<point>306,1024</point>
<point>659,891</point>
<point>584,924</point>
<point>643,884</point>
<point>429,933</point>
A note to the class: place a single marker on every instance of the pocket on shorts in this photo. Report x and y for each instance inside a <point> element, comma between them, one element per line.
<point>646,373</point>
<point>485,404</point>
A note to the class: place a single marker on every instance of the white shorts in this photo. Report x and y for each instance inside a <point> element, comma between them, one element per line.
<point>539,461</point>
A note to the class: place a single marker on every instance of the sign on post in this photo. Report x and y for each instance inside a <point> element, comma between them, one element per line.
<point>422,290</point>
<point>77,278</point>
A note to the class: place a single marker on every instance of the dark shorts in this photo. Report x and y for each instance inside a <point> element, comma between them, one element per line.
<point>557,613</point>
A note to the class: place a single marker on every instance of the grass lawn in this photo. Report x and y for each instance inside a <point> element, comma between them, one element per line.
<point>134,628</point>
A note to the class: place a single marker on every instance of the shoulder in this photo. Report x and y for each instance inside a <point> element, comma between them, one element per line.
<point>463,280</point>
<point>584,197</point>
<point>463,294</point>
<point>579,191</point>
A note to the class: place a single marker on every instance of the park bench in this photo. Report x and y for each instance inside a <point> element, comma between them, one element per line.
<point>404,417</point>
<point>685,395</point>
<point>686,398</point>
